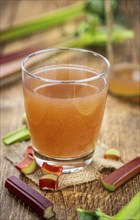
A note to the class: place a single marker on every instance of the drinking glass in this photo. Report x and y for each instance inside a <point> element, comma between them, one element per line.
<point>65,94</point>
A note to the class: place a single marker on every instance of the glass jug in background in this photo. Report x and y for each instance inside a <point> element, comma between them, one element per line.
<point>124,80</point>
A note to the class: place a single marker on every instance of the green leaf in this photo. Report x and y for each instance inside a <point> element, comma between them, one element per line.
<point>91,215</point>
<point>131,210</point>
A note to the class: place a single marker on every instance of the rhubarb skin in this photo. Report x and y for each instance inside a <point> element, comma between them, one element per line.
<point>48,169</point>
<point>121,175</point>
<point>24,119</point>
<point>19,135</point>
<point>49,181</point>
<point>27,166</point>
<point>31,197</point>
<point>29,151</point>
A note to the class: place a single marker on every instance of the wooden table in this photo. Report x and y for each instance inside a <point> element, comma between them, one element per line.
<point>120,129</point>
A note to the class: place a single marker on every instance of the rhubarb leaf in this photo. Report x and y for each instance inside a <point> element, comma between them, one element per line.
<point>131,210</point>
<point>91,215</point>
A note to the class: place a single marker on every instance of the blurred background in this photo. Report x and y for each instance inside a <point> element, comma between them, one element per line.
<point>110,27</point>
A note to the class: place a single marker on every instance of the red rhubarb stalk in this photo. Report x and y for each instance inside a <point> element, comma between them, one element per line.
<point>31,197</point>
<point>49,181</point>
<point>29,151</point>
<point>47,168</point>
<point>18,54</point>
<point>122,175</point>
<point>28,165</point>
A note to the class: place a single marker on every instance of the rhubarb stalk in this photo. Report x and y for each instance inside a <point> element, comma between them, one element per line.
<point>47,169</point>
<point>100,37</point>
<point>24,119</point>
<point>122,175</point>
<point>29,151</point>
<point>48,21</point>
<point>28,165</point>
<point>18,54</point>
<point>31,197</point>
<point>21,134</point>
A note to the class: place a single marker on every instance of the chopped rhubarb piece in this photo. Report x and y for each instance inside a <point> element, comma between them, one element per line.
<point>35,200</point>
<point>49,181</point>
<point>47,169</point>
<point>28,165</point>
<point>122,175</point>
<point>21,134</point>
<point>24,119</point>
<point>112,154</point>
<point>29,151</point>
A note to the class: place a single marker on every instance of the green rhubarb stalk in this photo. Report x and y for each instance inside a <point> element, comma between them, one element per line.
<point>21,134</point>
<point>55,18</point>
<point>48,21</point>
<point>24,119</point>
<point>130,211</point>
<point>100,37</point>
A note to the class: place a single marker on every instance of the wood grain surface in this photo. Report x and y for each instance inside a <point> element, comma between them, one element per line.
<point>120,129</point>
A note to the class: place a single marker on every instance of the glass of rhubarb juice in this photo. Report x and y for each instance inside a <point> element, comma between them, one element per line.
<point>65,94</point>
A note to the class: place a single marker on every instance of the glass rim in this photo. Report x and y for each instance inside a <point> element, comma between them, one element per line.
<point>65,81</point>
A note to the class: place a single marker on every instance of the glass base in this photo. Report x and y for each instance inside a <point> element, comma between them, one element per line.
<point>69,165</point>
